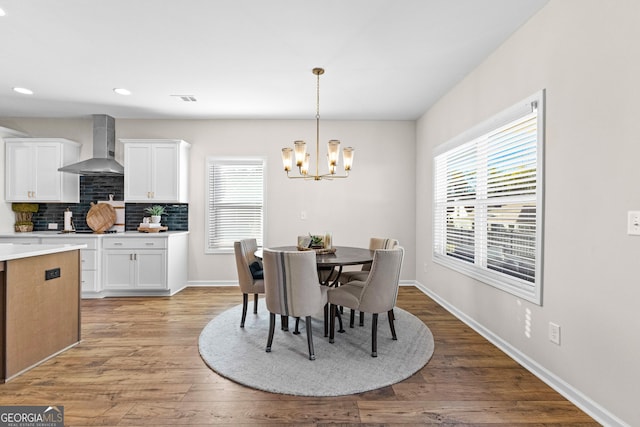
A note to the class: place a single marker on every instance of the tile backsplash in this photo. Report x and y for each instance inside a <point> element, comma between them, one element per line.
<point>94,188</point>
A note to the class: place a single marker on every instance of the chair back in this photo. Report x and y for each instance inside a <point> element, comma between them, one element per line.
<point>291,283</point>
<point>244,251</point>
<point>380,290</point>
<point>379,243</point>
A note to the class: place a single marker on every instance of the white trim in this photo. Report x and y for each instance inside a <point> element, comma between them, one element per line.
<point>212,283</point>
<point>477,268</point>
<point>575,396</point>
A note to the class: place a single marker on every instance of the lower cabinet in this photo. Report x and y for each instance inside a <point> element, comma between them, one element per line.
<point>89,260</point>
<point>135,269</point>
<point>124,265</point>
<point>144,265</point>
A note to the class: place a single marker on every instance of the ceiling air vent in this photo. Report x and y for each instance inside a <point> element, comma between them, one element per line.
<point>186,98</point>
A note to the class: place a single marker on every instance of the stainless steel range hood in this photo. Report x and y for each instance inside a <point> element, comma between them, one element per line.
<point>104,146</point>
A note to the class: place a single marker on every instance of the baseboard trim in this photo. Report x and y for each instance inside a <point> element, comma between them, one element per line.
<point>205,283</point>
<point>576,397</point>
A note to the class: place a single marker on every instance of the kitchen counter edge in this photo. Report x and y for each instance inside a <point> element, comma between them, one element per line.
<point>10,251</point>
<point>90,235</point>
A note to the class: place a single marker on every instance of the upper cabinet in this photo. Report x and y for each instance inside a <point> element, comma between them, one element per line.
<point>31,170</point>
<point>156,170</point>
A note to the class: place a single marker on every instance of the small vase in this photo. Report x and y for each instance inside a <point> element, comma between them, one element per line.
<point>155,219</point>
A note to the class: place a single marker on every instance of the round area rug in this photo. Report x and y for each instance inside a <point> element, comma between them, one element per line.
<point>345,367</point>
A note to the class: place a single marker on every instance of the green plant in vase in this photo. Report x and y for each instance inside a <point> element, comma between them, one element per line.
<point>316,241</point>
<point>156,213</point>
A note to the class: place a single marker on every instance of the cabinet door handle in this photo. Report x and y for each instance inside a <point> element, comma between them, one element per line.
<point>117,244</point>
<point>149,243</point>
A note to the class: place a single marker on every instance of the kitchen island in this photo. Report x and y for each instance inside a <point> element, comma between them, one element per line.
<point>39,303</point>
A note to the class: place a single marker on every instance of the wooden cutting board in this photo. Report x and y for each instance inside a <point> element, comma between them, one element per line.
<point>118,205</point>
<point>101,217</point>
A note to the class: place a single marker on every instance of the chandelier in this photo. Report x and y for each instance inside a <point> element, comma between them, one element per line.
<point>302,157</point>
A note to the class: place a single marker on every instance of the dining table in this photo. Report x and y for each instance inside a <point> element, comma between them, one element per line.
<point>331,263</point>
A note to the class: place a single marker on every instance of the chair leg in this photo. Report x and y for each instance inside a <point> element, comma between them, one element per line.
<point>297,331</point>
<point>326,320</point>
<point>272,326</point>
<point>284,323</point>
<point>332,323</point>
<point>352,318</point>
<point>245,302</point>
<point>255,303</point>
<point>393,328</point>
<point>361,318</point>
<point>374,335</point>
<point>341,329</point>
<point>312,354</point>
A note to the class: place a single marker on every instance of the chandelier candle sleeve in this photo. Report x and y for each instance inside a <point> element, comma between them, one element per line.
<point>287,154</point>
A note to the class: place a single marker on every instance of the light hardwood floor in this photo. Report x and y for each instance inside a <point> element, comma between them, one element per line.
<point>138,364</point>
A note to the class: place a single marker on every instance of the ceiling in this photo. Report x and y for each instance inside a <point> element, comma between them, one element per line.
<point>244,59</point>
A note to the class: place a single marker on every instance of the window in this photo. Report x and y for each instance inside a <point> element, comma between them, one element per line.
<point>235,202</point>
<point>488,200</point>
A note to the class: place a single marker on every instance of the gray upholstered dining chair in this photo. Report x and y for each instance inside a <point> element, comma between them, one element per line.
<point>361,275</point>
<point>292,289</point>
<point>249,274</point>
<point>375,295</point>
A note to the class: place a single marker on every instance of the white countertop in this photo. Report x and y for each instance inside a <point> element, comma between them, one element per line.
<point>9,251</point>
<point>89,235</point>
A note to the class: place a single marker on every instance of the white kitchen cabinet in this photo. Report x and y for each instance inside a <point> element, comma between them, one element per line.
<point>135,269</point>
<point>145,265</point>
<point>31,170</point>
<point>89,260</point>
<point>156,170</point>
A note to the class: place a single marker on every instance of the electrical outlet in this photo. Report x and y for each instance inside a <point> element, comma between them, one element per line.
<point>554,333</point>
<point>633,223</point>
<point>425,266</point>
<point>54,273</point>
<point>52,226</point>
<point>303,215</point>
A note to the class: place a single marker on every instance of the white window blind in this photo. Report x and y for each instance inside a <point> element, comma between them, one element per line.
<point>488,201</point>
<point>235,202</point>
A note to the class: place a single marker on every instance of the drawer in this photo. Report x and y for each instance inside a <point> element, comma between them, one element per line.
<point>135,243</point>
<point>88,260</point>
<point>88,280</point>
<point>92,243</point>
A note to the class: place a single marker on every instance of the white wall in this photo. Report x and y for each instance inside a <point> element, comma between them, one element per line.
<point>586,55</point>
<point>376,200</point>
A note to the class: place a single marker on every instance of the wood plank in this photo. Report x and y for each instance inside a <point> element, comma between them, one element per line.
<point>138,364</point>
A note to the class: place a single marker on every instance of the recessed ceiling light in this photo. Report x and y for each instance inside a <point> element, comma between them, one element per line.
<point>2,12</point>
<point>23,90</point>
<point>122,91</point>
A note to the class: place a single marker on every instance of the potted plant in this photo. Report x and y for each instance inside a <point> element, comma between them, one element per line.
<point>156,213</point>
<point>24,213</point>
